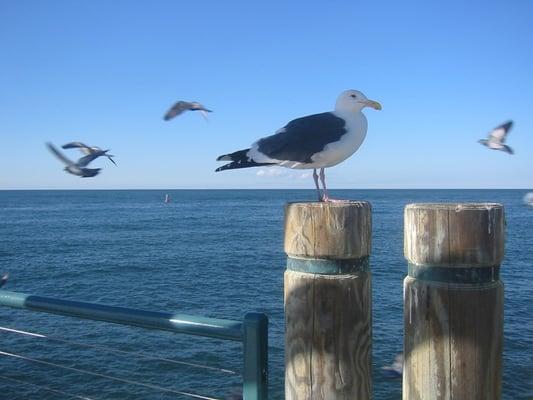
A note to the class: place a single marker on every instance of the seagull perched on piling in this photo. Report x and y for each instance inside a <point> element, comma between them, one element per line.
<point>497,137</point>
<point>76,168</point>
<point>90,150</point>
<point>313,142</point>
<point>182,106</point>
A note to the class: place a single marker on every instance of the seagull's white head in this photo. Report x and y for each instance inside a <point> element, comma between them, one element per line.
<point>354,101</point>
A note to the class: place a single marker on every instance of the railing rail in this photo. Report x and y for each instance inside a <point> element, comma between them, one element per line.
<point>252,331</point>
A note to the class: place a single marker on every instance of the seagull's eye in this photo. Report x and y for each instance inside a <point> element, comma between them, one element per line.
<point>353,96</point>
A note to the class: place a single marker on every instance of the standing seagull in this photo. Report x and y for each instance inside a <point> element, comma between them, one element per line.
<point>92,151</point>
<point>76,168</point>
<point>311,142</point>
<point>182,106</point>
<point>497,137</point>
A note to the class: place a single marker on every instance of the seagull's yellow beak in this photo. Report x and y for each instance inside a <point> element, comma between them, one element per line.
<point>374,104</point>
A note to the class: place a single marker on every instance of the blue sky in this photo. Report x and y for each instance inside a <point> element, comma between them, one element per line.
<point>104,72</point>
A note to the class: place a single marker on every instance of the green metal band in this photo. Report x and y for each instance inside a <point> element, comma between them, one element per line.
<point>454,274</point>
<point>328,267</point>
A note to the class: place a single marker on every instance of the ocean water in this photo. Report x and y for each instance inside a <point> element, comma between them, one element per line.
<point>215,253</point>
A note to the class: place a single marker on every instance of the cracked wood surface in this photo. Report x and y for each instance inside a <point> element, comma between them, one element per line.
<point>328,329</point>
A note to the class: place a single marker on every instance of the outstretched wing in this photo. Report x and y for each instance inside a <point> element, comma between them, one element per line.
<point>72,145</point>
<point>499,134</point>
<point>58,154</point>
<point>197,106</point>
<point>177,109</point>
<point>78,145</point>
<point>301,138</point>
<point>84,161</point>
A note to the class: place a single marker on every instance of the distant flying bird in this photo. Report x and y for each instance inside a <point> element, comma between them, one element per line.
<point>395,370</point>
<point>89,150</point>
<point>76,168</point>
<point>3,279</point>
<point>497,137</point>
<point>311,142</point>
<point>182,106</point>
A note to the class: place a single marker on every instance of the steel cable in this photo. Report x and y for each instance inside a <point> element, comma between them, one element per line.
<point>110,350</point>
<point>100,375</point>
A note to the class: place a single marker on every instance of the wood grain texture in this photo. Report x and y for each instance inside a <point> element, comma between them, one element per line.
<point>453,332</point>
<point>328,230</point>
<point>452,341</point>
<point>328,316</point>
<point>456,235</point>
<point>328,336</point>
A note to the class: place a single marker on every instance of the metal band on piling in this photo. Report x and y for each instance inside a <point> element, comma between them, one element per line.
<point>328,301</point>
<point>470,275</point>
<point>328,267</point>
<point>453,310</point>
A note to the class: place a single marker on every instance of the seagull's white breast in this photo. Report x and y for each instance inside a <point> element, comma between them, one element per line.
<point>336,152</point>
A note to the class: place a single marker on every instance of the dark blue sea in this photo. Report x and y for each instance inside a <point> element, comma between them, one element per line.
<point>214,253</point>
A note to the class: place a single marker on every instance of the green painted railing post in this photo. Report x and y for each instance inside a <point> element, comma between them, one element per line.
<point>255,343</point>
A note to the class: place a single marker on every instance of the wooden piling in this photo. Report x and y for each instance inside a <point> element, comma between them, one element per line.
<point>453,301</point>
<point>328,333</point>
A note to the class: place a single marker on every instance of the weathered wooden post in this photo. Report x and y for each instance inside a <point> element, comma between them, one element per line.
<point>453,301</point>
<point>328,335</point>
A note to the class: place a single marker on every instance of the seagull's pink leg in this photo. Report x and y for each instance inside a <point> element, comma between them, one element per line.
<point>326,198</point>
<point>315,178</point>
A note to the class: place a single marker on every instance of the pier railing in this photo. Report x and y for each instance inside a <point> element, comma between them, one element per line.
<point>252,331</point>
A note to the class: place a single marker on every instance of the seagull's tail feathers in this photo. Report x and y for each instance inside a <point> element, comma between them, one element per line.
<point>235,156</point>
<point>239,159</point>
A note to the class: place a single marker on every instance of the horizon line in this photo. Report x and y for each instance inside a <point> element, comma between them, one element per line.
<point>287,189</point>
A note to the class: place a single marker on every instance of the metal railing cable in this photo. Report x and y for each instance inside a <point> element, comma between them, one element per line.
<point>49,389</point>
<point>116,351</point>
<point>251,331</point>
<point>109,377</point>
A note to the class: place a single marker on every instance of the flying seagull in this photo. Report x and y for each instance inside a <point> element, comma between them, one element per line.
<point>89,150</point>
<point>497,137</point>
<point>3,279</point>
<point>76,168</point>
<point>311,142</point>
<point>395,370</point>
<point>182,106</point>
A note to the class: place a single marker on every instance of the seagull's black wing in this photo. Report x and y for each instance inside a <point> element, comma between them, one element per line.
<point>84,161</point>
<point>507,149</point>
<point>58,154</point>
<point>75,145</point>
<point>177,109</point>
<point>301,138</point>
<point>198,107</point>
